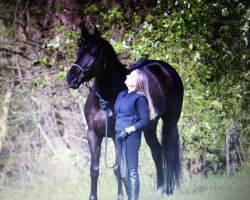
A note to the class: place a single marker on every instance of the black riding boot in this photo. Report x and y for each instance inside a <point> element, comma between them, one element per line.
<point>127,185</point>
<point>135,184</point>
<point>122,156</point>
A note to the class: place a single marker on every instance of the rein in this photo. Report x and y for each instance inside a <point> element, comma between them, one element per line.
<point>107,120</point>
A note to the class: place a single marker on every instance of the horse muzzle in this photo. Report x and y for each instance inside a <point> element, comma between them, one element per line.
<point>73,85</point>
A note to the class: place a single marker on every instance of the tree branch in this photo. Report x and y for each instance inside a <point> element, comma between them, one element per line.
<point>11,51</point>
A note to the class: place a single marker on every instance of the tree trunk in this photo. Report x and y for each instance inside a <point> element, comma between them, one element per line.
<point>233,155</point>
<point>3,119</point>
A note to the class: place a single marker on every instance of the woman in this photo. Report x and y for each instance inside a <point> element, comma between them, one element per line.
<point>133,110</point>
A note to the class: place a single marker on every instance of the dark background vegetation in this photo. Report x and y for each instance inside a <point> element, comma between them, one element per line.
<point>42,121</point>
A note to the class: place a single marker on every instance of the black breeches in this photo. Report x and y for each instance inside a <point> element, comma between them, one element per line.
<point>127,154</point>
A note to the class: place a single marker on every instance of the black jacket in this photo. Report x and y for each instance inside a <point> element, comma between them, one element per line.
<point>131,109</point>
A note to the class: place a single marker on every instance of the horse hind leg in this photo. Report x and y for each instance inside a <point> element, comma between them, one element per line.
<point>156,151</point>
<point>95,151</point>
<point>118,177</point>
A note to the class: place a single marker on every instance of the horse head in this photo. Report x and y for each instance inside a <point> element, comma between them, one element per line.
<point>91,58</point>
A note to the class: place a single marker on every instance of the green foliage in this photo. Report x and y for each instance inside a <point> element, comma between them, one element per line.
<point>42,81</point>
<point>112,15</point>
<point>61,75</point>
<point>62,46</point>
<point>206,41</point>
<point>64,43</point>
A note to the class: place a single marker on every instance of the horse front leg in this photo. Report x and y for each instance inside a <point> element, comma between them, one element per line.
<point>118,177</point>
<point>156,151</point>
<point>95,151</point>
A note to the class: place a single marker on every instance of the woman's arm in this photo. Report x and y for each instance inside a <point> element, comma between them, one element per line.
<point>142,107</point>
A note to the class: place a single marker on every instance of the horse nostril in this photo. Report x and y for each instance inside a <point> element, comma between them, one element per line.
<point>68,78</point>
<point>71,78</point>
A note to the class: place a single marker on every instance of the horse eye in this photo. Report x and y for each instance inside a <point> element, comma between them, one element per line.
<point>74,70</point>
<point>78,50</point>
<point>93,53</point>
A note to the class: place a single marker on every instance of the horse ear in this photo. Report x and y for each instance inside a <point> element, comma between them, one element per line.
<point>97,33</point>
<point>84,31</point>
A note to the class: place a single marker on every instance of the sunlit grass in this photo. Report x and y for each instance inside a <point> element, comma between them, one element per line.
<point>51,187</point>
<point>214,187</point>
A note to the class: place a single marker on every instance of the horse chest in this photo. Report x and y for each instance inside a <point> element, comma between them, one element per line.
<point>97,120</point>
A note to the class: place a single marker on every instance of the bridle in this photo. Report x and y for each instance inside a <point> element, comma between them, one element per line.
<point>77,66</point>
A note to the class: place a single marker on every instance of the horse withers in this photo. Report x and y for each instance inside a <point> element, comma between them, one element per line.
<point>97,59</point>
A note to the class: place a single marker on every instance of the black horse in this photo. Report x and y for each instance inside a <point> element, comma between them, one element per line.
<point>97,58</point>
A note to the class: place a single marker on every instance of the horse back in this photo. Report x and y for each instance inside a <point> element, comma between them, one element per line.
<point>165,85</point>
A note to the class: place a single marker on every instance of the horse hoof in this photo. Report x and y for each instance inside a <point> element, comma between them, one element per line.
<point>92,197</point>
<point>169,192</point>
<point>160,190</point>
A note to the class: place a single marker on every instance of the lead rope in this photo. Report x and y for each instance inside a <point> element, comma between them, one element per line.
<point>106,129</point>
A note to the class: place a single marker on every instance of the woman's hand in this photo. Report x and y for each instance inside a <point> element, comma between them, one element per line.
<point>104,104</point>
<point>130,129</point>
<point>122,135</point>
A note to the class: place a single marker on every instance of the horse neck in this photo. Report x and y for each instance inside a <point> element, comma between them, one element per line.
<point>111,81</point>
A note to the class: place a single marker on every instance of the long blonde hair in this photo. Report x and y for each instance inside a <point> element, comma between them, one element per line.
<point>142,86</point>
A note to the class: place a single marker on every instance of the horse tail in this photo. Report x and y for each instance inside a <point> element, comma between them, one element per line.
<point>169,105</point>
<point>171,156</point>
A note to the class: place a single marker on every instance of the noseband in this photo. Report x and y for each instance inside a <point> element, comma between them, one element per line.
<point>77,66</point>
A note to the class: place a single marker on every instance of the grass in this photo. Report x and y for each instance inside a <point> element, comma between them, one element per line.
<point>214,187</point>
<point>73,185</point>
